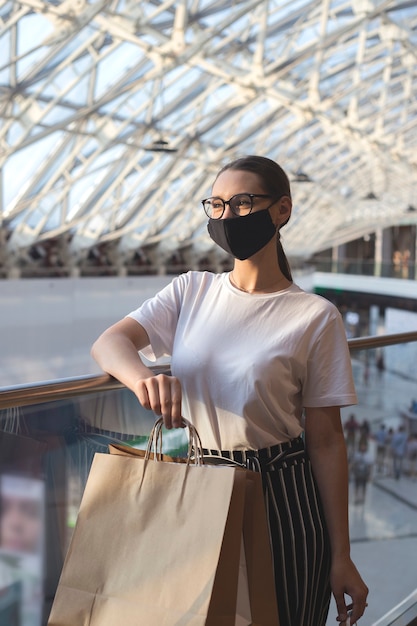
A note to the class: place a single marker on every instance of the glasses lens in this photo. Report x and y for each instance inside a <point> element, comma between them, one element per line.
<point>241,204</point>
<point>214,207</point>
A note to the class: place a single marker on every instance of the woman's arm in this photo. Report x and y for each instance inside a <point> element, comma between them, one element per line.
<point>116,351</point>
<point>326,448</point>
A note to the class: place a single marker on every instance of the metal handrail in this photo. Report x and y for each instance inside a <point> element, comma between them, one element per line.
<point>379,341</point>
<point>49,391</point>
<point>404,614</point>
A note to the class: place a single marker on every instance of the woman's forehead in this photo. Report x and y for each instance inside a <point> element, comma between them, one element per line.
<point>237,181</point>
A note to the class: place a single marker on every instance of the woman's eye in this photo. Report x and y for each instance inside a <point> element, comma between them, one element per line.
<point>242,203</point>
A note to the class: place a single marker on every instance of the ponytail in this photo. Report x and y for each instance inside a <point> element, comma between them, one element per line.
<point>282,259</point>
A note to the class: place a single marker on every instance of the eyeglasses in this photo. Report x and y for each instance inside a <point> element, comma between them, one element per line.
<point>241,204</point>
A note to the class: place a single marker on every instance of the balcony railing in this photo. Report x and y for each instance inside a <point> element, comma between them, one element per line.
<point>366,267</point>
<point>49,433</point>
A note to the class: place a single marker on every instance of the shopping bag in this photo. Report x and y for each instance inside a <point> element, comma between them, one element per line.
<point>256,601</point>
<point>156,543</point>
<point>258,557</point>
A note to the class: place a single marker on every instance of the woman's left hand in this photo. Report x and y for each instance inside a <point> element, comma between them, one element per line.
<point>345,579</point>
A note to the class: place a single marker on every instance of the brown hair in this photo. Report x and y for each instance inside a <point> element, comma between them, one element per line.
<point>276,183</point>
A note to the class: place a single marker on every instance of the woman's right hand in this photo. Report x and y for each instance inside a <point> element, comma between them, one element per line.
<point>116,351</point>
<point>162,394</point>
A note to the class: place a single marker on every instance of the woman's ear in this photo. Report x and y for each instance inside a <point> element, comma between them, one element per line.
<point>284,213</point>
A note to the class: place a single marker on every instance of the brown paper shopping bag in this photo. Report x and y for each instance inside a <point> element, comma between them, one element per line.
<point>258,556</point>
<point>156,543</point>
<point>256,601</point>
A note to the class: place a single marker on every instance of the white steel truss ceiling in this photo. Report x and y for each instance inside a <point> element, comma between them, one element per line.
<point>116,114</point>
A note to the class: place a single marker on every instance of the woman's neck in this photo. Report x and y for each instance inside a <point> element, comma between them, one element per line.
<point>255,282</point>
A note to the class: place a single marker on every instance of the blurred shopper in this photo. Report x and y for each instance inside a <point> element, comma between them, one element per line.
<point>381,440</point>
<point>389,462</point>
<point>351,429</point>
<point>412,456</point>
<point>361,468</point>
<point>380,363</point>
<point>364,432</point>
<point>398,449</point>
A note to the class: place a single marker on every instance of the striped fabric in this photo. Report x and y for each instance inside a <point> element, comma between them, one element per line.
<point>299,539</point>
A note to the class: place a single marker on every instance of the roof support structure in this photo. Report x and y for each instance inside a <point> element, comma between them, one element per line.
<point>116,115</point>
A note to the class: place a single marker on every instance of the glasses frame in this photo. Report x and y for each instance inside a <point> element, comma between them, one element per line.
<point>225,202</point>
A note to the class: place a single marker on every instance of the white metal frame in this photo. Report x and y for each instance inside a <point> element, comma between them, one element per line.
<point>89,88</point>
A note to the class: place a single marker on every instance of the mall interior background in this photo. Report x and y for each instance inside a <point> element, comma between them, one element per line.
<point>114,119</point>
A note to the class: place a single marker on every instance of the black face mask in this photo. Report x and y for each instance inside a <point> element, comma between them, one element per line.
<point>242,237</point>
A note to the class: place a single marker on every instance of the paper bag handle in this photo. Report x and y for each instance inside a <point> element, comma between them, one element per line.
<point>195,448</point>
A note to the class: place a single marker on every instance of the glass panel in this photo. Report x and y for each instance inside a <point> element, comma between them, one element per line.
<point>383,495</point>
<point>46,451</point>
<point>45,455</point>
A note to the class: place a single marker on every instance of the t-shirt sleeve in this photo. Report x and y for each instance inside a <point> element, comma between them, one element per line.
<point>329,378</point>
<point>159,317</point>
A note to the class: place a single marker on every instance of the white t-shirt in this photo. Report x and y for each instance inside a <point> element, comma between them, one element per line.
<point>248,363</point>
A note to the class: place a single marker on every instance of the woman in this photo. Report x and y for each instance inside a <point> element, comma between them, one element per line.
<point>259,366</point>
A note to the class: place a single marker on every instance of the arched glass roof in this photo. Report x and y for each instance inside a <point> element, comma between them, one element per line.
<point>116,114</point>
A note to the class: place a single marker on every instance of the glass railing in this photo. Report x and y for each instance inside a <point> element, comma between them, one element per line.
<point>366,267</point>
<point>348,265</point>
<point>49,433</point>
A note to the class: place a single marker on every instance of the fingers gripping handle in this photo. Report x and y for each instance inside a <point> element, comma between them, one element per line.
<point>195,448</point>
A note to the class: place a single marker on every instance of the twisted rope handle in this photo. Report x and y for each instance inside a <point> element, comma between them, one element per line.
<point>195,448</point>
